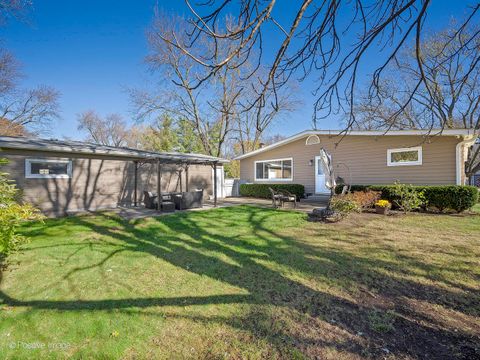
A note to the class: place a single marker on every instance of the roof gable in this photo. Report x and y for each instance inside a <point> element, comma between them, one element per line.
<point>309,133</point>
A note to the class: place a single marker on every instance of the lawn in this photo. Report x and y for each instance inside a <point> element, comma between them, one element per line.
<point>476,208</point>
<point>244,282</point>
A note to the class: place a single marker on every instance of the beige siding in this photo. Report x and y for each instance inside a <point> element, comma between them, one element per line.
<point>366,156</point>
<point>98,182</point>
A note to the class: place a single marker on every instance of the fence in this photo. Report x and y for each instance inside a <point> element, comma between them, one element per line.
<point>232,187</point>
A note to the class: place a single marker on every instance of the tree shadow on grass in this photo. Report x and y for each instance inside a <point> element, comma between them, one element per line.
<point>263,261</point>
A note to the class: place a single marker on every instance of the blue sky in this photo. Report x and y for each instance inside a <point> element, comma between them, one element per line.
<point>91,51</point>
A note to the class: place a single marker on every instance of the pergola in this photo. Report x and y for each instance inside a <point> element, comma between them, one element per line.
<point>182,159</point>
<point>119,153</point>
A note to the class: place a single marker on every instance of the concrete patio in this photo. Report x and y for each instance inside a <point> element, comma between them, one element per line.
<point>305,205</point>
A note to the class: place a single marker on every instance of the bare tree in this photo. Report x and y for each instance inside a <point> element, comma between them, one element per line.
<point>314,41</point>
<point>386,110</point>
<point>218,108</point>
<point>111,130</point>
<point>449,99</point>
<point>252,124</point>
<point>9,72</point>
<point>30,110</point>
<point>208,107</point>
<point>13,9</point>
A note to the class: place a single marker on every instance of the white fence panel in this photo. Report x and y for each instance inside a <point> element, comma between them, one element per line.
<point>232,187</point>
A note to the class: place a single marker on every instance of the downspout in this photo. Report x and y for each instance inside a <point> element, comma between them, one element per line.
<point>460,154</point>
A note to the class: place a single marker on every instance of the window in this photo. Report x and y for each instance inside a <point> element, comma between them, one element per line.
<point>319,167</point>
<point>312,140</point>
<point>405,156</point>
<point>48,169</point>
<point>278,169</point>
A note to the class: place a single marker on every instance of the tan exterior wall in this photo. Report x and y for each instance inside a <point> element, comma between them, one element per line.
<point>98,182</point>
<point>366,156</point>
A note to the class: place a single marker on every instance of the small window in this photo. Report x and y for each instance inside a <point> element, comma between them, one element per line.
<point>47,168</point>
<point>312,140</point>
<point>319,167</point>
<point>280,169</point>
<point>404,156</point>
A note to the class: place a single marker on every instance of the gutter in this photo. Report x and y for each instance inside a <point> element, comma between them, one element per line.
<point>86,149</point>
<point>460,150</point>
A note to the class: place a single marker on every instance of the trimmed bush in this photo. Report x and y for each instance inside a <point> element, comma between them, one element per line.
<point>442,197</point>
<point>261,190</point>
<point>458,198</point>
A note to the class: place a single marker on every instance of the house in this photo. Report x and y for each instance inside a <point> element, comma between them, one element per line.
<point>61,177</point>
<point>362,157</point>
<point>475,180</point>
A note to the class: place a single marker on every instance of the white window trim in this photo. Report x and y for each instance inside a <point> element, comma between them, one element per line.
<point>275,179</point>
<point>405,163</point>
<point>28,169</point>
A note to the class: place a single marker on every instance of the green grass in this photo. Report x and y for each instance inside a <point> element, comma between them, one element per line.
<point>476,208</point>
<point>244,282</point>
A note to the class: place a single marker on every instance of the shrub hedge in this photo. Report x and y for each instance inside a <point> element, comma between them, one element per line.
<point>261,190</point>
<point>442,197</point>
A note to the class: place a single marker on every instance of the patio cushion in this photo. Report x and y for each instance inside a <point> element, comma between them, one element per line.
<point>188,200</point>
<point>168,206</point>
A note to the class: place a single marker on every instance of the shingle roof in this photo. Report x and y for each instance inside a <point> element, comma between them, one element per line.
<point>78,147</point>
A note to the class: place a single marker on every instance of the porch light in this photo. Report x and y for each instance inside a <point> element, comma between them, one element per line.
<point>310,162</point>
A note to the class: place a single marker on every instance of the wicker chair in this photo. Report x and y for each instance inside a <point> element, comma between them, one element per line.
<point>150,200</point>
<point>276,196</point>
<point>188,200</point>
<point>287,196</point>
<point>282,197</point>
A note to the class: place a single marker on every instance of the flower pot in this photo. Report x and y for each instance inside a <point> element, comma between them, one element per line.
<point>382,210</point>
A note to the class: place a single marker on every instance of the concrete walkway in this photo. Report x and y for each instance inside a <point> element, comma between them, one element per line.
<point>140,212</point>
<point>305,206</point>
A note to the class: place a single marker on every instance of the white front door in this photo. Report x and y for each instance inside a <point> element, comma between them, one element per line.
<point>320,187</point>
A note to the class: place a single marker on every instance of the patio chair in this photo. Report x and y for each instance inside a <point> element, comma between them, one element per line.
<point>287,196</point>
<point>276,196</point>
<point>188,200</point>
<point>149,200</point>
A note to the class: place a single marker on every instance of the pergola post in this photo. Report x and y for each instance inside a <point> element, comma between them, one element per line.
<point>180,179</point>
<point>215,184</point>
<point>186,177</point>
<point>135,184</point>
<point>159,188</point>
